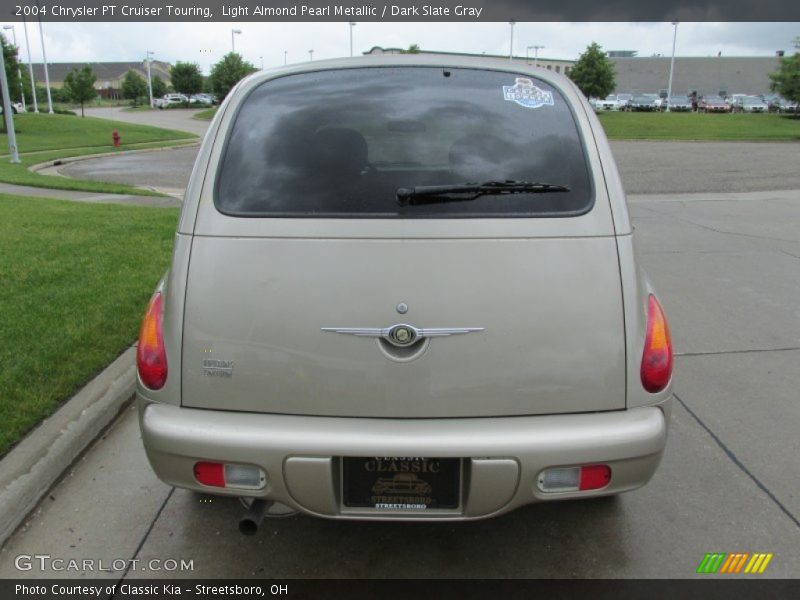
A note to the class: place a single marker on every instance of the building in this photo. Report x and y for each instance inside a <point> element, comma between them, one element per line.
<point>707,75</point>
<point>551,64</point>
<point>109,74</point>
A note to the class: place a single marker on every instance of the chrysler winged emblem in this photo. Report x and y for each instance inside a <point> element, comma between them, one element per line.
<point>402,335</point>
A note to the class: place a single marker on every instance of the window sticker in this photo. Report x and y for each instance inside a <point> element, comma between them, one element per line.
<point>524,93</point>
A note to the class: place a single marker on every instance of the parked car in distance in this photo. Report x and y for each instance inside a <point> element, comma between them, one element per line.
<point>643,103</point>
<point>381,284</point>
<point>714,104</point>
<point>658,101</point>
<point>679,104</point>
<point>750,104</point>
<point>202,98</point>
<point>609,103</point>
<point>170,100</point>
<point>16,107</point>
<point>787,106</point>
<point>624,100</point>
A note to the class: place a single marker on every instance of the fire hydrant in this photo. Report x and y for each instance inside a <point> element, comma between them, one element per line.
<point>115,137</point>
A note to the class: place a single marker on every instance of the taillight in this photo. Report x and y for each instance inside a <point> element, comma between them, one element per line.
<point>151,357</point>
<point>230,475</point>
<point>657,356</point>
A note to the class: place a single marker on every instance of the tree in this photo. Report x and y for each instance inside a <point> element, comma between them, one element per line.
<point>133,86</point>
<point>412,49</point>
<point>79,85</point>
<point>786,80</point>
<point>12,69</point>
<point>227,73</point>
<point>159,87</point>
<point>593,73</point>
<point>186,78</point>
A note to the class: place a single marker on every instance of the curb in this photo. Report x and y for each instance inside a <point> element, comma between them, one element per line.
<point>60,162</point>
<point>38,461</point>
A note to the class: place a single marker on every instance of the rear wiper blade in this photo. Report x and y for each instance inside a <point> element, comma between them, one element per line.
<point>464,192</point>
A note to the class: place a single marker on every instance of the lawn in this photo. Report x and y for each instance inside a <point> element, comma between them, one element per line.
<point>206,114</point>
<point>45,137</point>
<point>700,126</point>
<point>74,282</point>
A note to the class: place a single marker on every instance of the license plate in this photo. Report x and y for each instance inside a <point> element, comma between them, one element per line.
<point>401,482</point>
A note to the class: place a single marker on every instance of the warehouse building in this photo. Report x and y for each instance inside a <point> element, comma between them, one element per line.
<point>109,74</point>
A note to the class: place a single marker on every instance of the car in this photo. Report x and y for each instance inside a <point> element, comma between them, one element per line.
<point>204,99</point>
<point>16,107</point>
<point>404,264</point>
<point>658,101</point>
<point>787,106</point>
<point>609,103</point>
<point>644,103</point>
<point>714,104</point>
<point>750,104</point>
<point>679,104</point>
<point>168,100</point>
<point>624,100</point>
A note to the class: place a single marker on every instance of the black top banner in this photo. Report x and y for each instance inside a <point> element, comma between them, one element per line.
<point>400,10</point>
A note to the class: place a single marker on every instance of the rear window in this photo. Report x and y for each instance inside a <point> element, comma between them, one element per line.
<point>340,143</point>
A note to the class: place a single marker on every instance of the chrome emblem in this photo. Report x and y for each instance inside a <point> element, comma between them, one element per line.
<point>401,335</point>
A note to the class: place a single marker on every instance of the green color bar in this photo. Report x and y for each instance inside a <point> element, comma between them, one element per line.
<point>711,562</point>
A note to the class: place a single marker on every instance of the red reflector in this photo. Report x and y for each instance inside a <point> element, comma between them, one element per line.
<point>594,477</point>
<point>209,473</point>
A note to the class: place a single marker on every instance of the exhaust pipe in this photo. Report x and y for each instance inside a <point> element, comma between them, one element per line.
<point>253,517</point>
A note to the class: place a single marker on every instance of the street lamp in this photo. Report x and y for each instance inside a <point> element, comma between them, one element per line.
<point>262,62</point>
<point>30,66</point>
<point>8,116</point>
<point>351,37</point>
<point>19,71</point>
<point>234,32</point>
<point>285,56</point>
<point>149,78</point>
<point>535,53</point>
<point>511,43</point>
<point>44,60</point>
<point>311,54</point>
<point>672,64</point>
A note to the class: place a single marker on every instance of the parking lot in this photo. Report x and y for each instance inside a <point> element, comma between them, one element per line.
<point>722,248</point>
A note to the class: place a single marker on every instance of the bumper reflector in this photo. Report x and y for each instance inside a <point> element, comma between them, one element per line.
<point>574,479</point>
<point>225,475</point>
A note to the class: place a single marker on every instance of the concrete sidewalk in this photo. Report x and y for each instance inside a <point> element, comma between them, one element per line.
<point>91,197</point>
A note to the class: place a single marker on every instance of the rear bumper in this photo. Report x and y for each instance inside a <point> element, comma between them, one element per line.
<point>504,456</point>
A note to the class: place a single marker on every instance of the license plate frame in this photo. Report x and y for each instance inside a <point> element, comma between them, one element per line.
<point>378,483</point>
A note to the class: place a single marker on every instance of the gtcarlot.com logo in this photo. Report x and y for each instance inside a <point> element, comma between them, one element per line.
<point>46,562</point>
<point>735,563</point>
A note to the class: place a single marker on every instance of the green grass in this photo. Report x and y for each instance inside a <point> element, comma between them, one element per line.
<point>207,114</point>
<point>74,281</point>
<point>700,126</point>
<point>45,137</point>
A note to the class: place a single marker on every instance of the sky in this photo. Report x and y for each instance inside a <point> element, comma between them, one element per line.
<point>206,43</point>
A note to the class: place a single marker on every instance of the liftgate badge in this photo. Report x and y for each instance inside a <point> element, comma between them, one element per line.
<point>524,93</point>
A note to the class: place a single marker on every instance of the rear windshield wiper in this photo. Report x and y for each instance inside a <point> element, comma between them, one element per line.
<point>464,192</point>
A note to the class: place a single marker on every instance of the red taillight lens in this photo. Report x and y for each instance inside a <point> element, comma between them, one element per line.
<point>594,477</point>
<point>151,357</point>
<point>209,473</point>
<point>657,356</point>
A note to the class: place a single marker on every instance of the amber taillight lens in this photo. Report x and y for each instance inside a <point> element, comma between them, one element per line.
<point>657,356</point>
<point>151,356</point>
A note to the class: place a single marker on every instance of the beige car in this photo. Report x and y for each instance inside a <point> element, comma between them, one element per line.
<point>404,264</point>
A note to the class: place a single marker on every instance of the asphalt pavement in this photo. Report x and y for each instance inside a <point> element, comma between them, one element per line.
<point>727,268</point>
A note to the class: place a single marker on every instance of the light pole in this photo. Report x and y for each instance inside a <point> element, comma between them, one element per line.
<point>19,71</point>
<point>535,53</point>
<point>311,54</point>
<point>285,56</point>
<point>672,64</point>
<point>30,66</point>
<point>511,43</point>
<point>262,62</point>
<point>352,24</point>
<point>8,115</point>
<point>44,60</point>
<point>234,32</point>
<point>149,78</point>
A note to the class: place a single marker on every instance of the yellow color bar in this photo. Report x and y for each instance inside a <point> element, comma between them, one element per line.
<point>764,564</point>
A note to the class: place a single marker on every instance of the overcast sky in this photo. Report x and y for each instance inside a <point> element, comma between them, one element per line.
<point>206,43</point>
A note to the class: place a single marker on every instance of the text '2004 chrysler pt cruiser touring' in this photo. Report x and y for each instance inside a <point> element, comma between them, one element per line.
<point>404,288</point>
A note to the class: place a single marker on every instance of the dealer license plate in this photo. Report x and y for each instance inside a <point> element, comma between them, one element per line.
<point>401,482</point>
